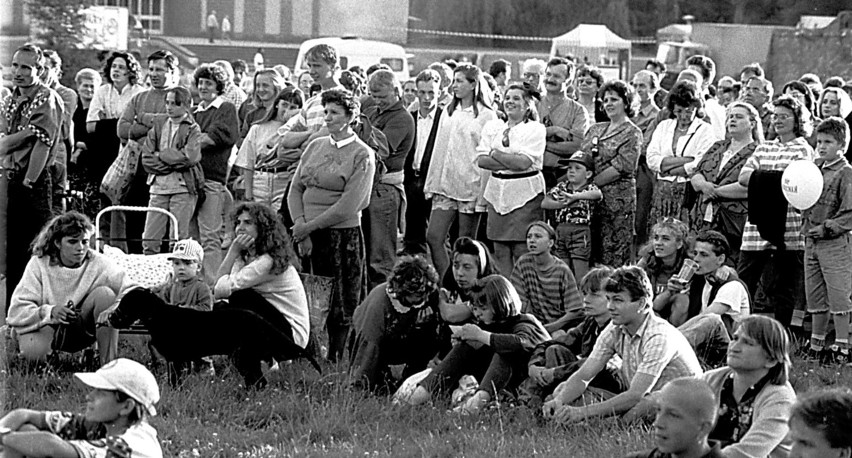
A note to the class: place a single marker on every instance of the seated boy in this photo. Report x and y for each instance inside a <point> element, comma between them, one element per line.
<point>686,412</point>
<point>653,352</point>
<point>114,425</point>
<point>554,361</point>
<point>820,423</point>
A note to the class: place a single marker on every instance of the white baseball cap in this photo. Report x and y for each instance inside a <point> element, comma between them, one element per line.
<point>128,377</point>
<point>188,250</point>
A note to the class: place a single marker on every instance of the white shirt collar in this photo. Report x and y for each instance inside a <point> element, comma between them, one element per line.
<point>216,103</point>
<point>343,142</point>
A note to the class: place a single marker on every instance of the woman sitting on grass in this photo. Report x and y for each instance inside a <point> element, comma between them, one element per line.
<point>662,259</point>
<point>397,323</point>
<point>65,287</point>
<point>470,261</point>
<point>495,351</point>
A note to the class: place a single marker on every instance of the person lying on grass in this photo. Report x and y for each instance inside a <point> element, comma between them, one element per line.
<point>115,423</point>
<point>652,350</point>
<point>820,423</point>
<point>397,323</point>
<point>686,413</point>
<point>552,362</point>
<point>495,351</point>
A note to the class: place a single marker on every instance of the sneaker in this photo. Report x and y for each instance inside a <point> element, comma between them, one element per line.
<point>809,354</point>
<point>840,358</point>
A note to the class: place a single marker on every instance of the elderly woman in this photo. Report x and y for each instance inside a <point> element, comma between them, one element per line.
<point>64,289</point>
<point>723,203</point>
<point>82,176</point>
<point>589,81</point>
<point>835,101</point>
<point>513,151</point>
<point>615,146</point>
<point>398,323</point>
<point>676,147</point>
<point>328,191</point>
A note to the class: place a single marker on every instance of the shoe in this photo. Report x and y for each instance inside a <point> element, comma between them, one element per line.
<point>809,354</point>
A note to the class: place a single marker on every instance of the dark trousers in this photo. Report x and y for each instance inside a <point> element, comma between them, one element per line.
<point>417,211</point>
<point>27,211</point>
<point>494,371</point>
<point>782,272</point>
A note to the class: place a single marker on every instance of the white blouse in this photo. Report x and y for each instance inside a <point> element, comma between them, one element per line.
<point>111,102</point>
<point>525,139</point>
<point>697,140</point>
<point>452,170</point>
<point>256,143</point>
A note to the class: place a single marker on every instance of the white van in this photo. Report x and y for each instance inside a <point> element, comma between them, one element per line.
<point>355,51</point>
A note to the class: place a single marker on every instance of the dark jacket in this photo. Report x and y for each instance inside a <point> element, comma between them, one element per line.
<point>767,206</point>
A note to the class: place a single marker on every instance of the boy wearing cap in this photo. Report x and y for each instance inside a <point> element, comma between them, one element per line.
<point>186,288</point>
<point>573,200</point>
<point>114,424</point>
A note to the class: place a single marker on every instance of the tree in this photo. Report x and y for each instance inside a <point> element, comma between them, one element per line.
<point>58,24</point>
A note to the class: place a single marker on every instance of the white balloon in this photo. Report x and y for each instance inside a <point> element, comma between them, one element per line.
<point>802,183</point>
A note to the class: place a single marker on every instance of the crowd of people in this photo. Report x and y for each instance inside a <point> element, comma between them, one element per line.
<point>585,247</point>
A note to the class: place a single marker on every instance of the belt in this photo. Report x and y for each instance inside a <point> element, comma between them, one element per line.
<point>272,169</point>
<point>513,176</point>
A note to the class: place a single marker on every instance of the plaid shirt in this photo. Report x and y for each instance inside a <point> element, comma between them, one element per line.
<point>657,349</point>
<point>774,155</point>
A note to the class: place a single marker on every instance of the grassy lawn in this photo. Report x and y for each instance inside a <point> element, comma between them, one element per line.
<point>305,414</point>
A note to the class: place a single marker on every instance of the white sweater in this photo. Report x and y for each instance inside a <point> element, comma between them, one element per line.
<point>46,284</point>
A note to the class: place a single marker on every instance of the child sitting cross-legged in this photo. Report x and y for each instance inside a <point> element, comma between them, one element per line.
<point>552,362</point>
<point>122,397</point>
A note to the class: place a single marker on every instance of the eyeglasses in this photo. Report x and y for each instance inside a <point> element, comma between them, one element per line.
<point>781,117</point>
<point>587,81</point>
<point>506,138</point>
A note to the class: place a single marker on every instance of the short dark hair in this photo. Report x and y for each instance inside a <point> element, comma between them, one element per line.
<point>428,75</point>
<point>498,66</point>
<point>499,293</point>
<point>684,93</point>
<point>133,67</point>
<point>182,95</point>
<point>559,60</point>
<point>834,81</point>
<point>162,54</point>
<point>837,128</point>
<point>633,280</point>
<point>592,71</point>
<point>660,65</point>
<point>624,91</point>
<point>717,240</point>
<point>376,67</point>
<point>239,64</point>
<point>828,411</point>
<point>325,53</point>
<point>805,90</point>
<point>350,104</point>
<point>707,66</point>
<point>213,73</point>
<point>754,68</point>
<point>33,49</point>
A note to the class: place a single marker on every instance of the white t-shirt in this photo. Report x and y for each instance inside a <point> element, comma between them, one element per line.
<point>89,441</point>
<point>734,295</point>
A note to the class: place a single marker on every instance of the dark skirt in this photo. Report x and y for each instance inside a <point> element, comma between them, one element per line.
<point>512,227</point>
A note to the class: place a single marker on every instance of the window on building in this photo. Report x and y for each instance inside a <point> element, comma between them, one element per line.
<point>149,12</point>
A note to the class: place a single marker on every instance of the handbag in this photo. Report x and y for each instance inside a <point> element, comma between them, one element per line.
<point>119,176</point>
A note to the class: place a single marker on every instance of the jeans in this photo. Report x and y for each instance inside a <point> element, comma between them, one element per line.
<point>182,205</point>
<point>828,274</point>
<point>206,225</point>
<point>494,371</point>
<point>708,336</point>
<point>783,283</point>
<point>27,211</point>
<point>380,232</point>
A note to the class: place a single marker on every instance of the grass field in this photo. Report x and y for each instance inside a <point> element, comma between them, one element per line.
<point>303,414</point>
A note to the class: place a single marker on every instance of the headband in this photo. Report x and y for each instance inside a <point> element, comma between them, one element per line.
<point>483,258</point>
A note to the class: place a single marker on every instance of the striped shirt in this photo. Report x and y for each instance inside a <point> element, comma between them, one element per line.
<point>657,349</point>
<point>776,156</point>
<point>547,294</point>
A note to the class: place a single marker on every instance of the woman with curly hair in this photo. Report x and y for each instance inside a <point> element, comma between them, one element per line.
<point>398,323</point>
<point>328,192</point>
<point>615,147</point>
<point>773,256</point>
<point>65,287</point>
<point>676,147</point>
